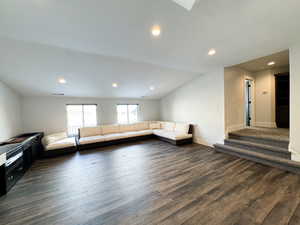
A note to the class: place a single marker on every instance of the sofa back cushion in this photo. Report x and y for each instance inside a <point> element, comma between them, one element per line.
<point>155,125</point>
<point>182,127</point>
<point>127,127</point>
<point>90,131</point>
<point>142,126</point>
<point>54,137</point>
<point>168,126</point>
<point>110,129</point>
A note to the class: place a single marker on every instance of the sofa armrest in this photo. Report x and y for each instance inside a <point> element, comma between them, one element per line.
<point>191,129</point>
<point>77,137</point>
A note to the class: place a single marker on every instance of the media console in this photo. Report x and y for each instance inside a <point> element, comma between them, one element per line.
<point>16,157</point>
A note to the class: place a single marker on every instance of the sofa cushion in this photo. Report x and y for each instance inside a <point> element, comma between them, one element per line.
<point>173,135</point>
<point>168,126</point>
<point>90,131</point>
<point>142,126</point>
<point>53,138</point>
<point>110,129</point>
<point>156,125</point>
<point>182,127</point>
<point>112,137</point>
<point>127,127</point>
<point>139,133</point>
<point>116,136</point>
<point>91,140</point>
<point>62,143</point>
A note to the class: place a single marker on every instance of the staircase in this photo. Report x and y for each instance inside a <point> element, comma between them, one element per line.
<point>265,150</point>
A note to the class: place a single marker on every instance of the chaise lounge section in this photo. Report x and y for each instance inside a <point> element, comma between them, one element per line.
<point>93,137</point>
<point>58,144</point>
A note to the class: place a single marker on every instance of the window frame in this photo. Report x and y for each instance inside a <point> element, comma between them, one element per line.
<point>128,121</point>
<point>82,109</point>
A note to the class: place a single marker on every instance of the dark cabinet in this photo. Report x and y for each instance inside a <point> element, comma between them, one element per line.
<point>282,89</point>
<point>12,170</point>
<point>21,152</point>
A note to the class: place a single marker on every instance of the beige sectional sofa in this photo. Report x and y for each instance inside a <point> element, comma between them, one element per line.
<point>175,133</point>
<point>58,144</point>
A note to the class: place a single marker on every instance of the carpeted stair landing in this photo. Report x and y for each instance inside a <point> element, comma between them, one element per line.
<point>266,146</point>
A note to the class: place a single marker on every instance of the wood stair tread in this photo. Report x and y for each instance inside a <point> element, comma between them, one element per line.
<point>258,145</point>
<point>258,138</point>
<point>260,157</point>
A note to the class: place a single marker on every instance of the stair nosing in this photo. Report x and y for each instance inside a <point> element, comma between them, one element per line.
<point>260,155</point>
<point>264,146</point>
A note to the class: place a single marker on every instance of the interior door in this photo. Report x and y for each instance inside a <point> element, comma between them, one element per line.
<point>282,89</point>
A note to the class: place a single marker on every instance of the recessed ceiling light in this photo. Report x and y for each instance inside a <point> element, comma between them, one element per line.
<point>152,88</point>
<point>212,51</point>
<point>156,31</point>
<point>62,80</point>
<point>271,63</point>
<point>115,85</point>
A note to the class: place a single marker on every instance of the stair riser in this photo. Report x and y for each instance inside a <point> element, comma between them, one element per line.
<point>280,144</point>
<point>286,155</point>
<point>259,160</point>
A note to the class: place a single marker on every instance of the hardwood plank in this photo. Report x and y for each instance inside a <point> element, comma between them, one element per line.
<point>150,183</point>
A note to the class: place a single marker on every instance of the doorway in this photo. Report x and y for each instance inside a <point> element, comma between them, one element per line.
<point>282,98</point>
<point>249,102</point>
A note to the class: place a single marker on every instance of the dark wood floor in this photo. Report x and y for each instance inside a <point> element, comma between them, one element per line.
<point>152,182</point>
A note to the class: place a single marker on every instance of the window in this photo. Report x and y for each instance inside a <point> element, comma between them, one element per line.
<point>127,113</point>
<point>79,116</point>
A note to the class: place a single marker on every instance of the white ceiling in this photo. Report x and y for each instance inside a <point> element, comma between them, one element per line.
<point>281,59</point>
<point>34,69</point>
<point>110,41</point>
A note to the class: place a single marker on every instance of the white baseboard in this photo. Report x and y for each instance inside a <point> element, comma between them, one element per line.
<point>234,128</point>
<point>295,155</point>
<point>200,141</point>
<point>265,124</point>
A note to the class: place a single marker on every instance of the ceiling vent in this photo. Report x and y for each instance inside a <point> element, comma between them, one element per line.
<point>187,4</point>
<point>58,94</point>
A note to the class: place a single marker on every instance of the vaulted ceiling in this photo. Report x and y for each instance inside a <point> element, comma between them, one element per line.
<point>93,43</point>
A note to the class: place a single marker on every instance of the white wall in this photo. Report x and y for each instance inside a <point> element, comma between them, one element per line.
<point>48,114</point>
<point>234,82</point>
<point>10,113</point>
<point>295,102</point>
<point>200,102</point>
<point>265,96</point>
